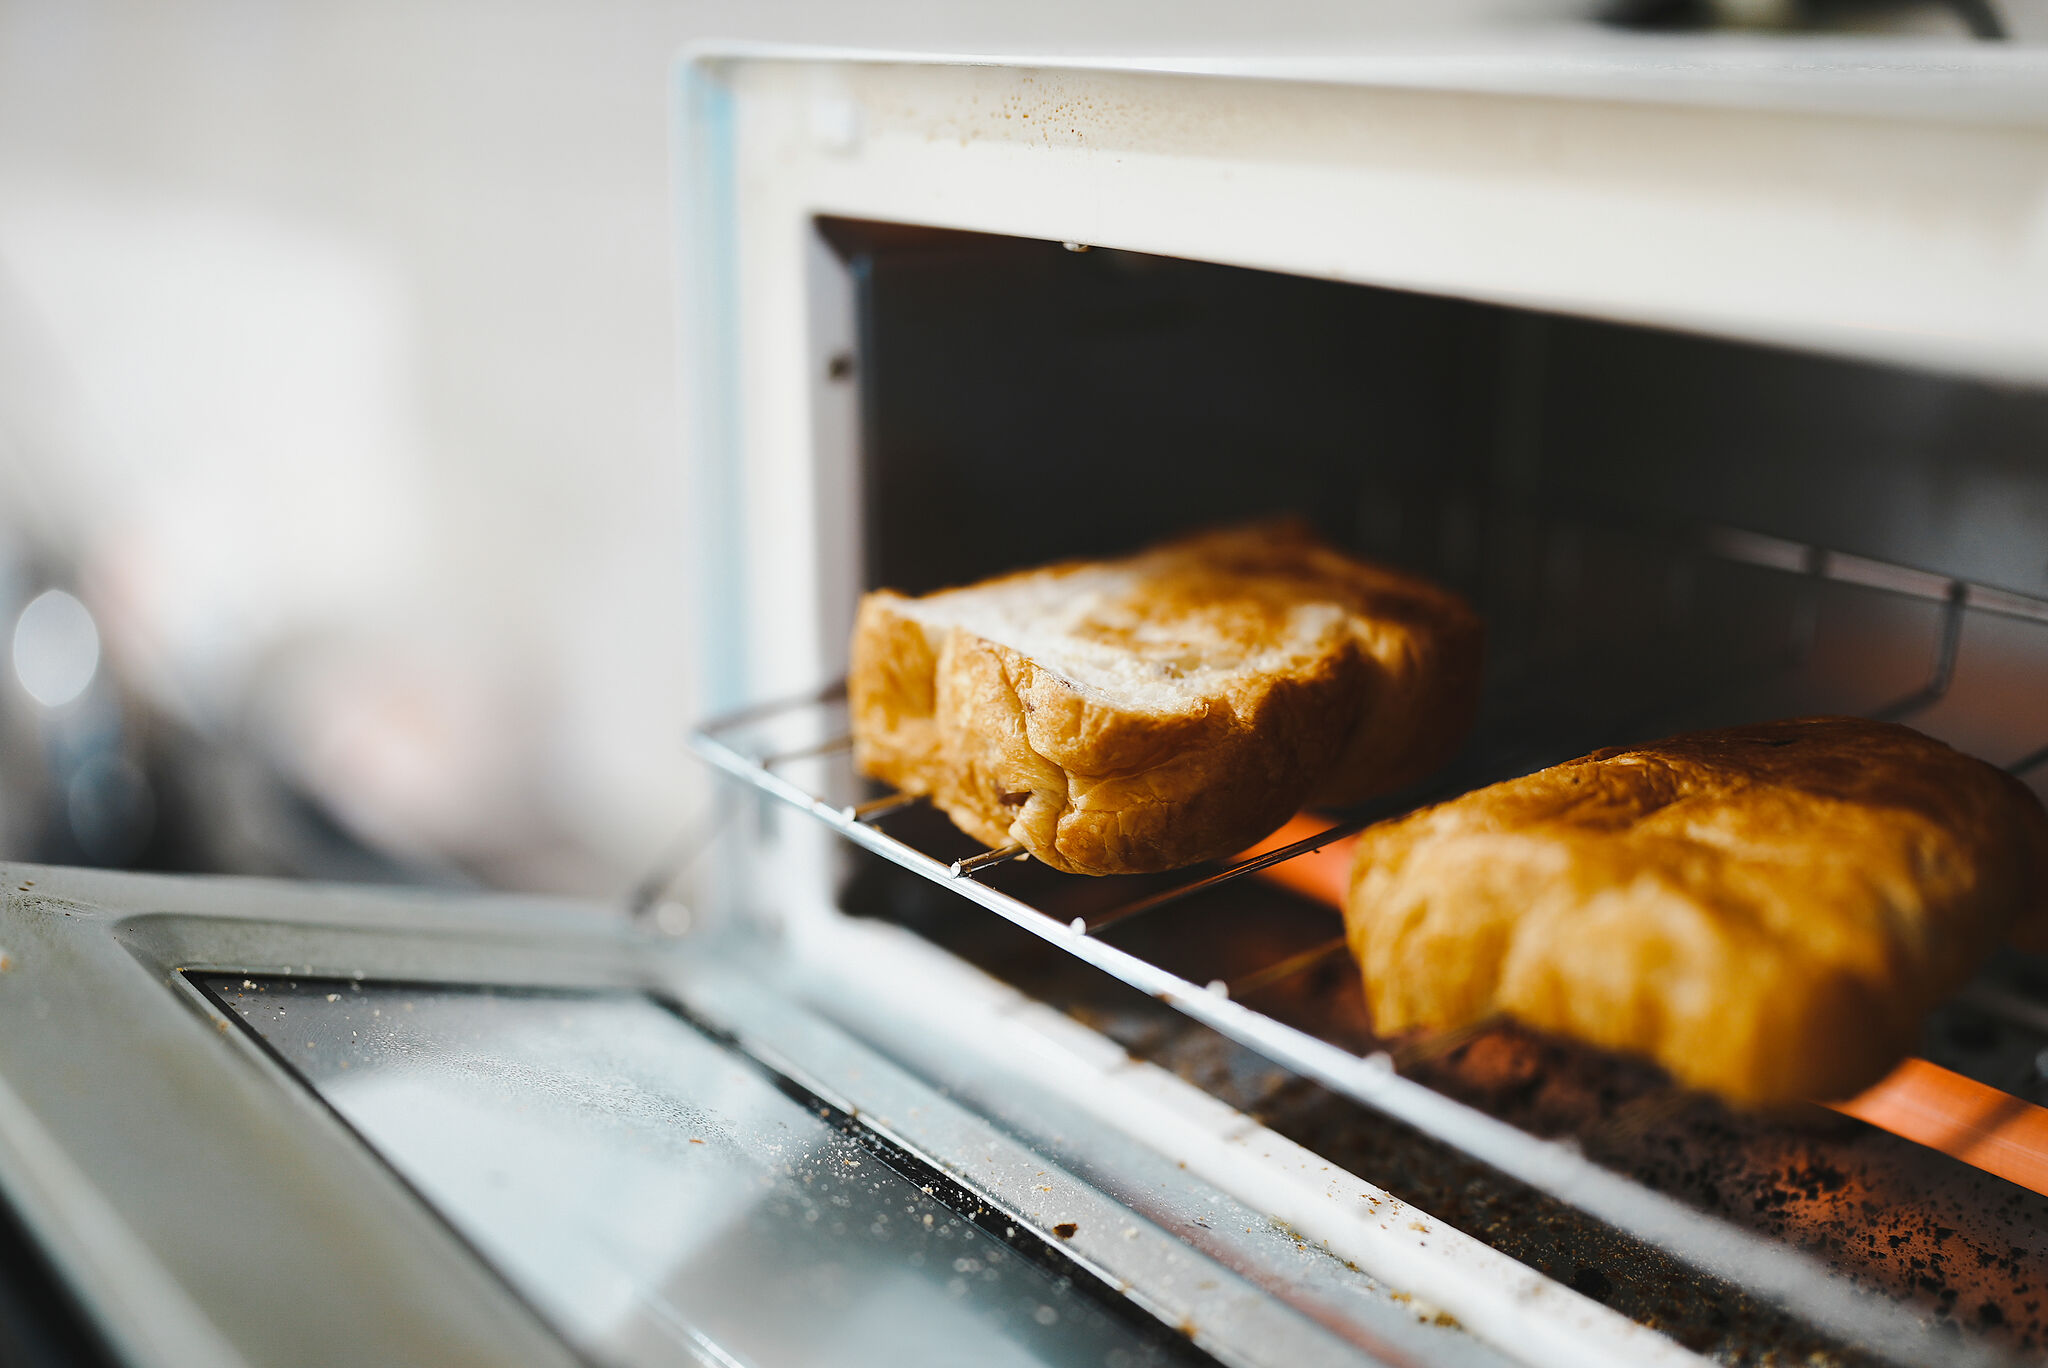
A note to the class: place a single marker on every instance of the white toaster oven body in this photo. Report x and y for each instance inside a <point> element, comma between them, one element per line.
<point>1575,328</point>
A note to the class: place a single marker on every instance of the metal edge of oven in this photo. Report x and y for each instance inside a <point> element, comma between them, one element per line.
<point>1313,1232</point>
<point>207,1209</point>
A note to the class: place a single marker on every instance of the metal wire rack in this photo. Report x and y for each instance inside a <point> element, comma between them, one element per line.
<point>797,751</point>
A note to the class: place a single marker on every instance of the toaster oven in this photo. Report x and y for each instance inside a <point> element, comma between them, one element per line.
<point>1715,375</point>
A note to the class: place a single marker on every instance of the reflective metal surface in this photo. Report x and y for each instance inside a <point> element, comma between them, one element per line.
<point>661,1198</point>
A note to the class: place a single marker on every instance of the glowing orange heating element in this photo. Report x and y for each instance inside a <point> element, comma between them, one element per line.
<point>1324,874</point>
<point>1918,1101</point>
<point>1959,1116</point>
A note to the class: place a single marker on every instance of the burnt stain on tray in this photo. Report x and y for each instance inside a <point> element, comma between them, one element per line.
<point>1960,1245</point>
<point>1962,1248</point>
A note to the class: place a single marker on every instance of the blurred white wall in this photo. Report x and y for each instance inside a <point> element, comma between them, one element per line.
<point>344,365</point>
<point>338,350</point>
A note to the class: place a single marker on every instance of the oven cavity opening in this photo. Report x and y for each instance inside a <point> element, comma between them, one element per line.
<point>1661,530</point>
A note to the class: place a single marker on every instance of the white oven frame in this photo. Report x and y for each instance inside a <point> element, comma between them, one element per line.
<point>1888,203</point>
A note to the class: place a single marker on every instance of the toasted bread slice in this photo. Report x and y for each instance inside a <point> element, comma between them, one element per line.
<point>1767,911</point>
<point>1147,713</point>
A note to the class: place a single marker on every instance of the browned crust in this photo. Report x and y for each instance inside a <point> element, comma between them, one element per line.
<point>1423,646</point>
<point>1767,911</point>
<point>1013,752</point>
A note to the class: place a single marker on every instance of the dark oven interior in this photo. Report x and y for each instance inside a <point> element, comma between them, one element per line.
<point>1662,531</point>
<point>1659,528</point>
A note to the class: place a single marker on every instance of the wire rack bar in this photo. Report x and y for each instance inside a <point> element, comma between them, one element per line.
<point>1840,567</point>
<point>1954,609</point>
<point>1281,970</point>
<point>2029,762</point>
<point>1713,1246</point>
<point>874,809</point>
<point>831,746</point>
<point>2004,1003</point>
<point>1236,870</point>
<point>973,864</point>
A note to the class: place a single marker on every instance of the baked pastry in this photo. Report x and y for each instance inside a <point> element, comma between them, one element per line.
<point>1170,707</point>
<point>1769,912</point>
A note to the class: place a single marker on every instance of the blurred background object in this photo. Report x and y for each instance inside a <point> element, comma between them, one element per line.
<point>1984,19</point>
<point>341,457</point>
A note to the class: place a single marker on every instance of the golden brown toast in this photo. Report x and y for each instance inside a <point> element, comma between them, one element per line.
<point>1166,708</point>
<point>1767,911</point>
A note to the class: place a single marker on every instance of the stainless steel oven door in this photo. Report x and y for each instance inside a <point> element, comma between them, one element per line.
<point>256,1123</point>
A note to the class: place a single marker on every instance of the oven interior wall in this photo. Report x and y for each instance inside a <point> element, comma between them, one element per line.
<point>1022,401</point>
